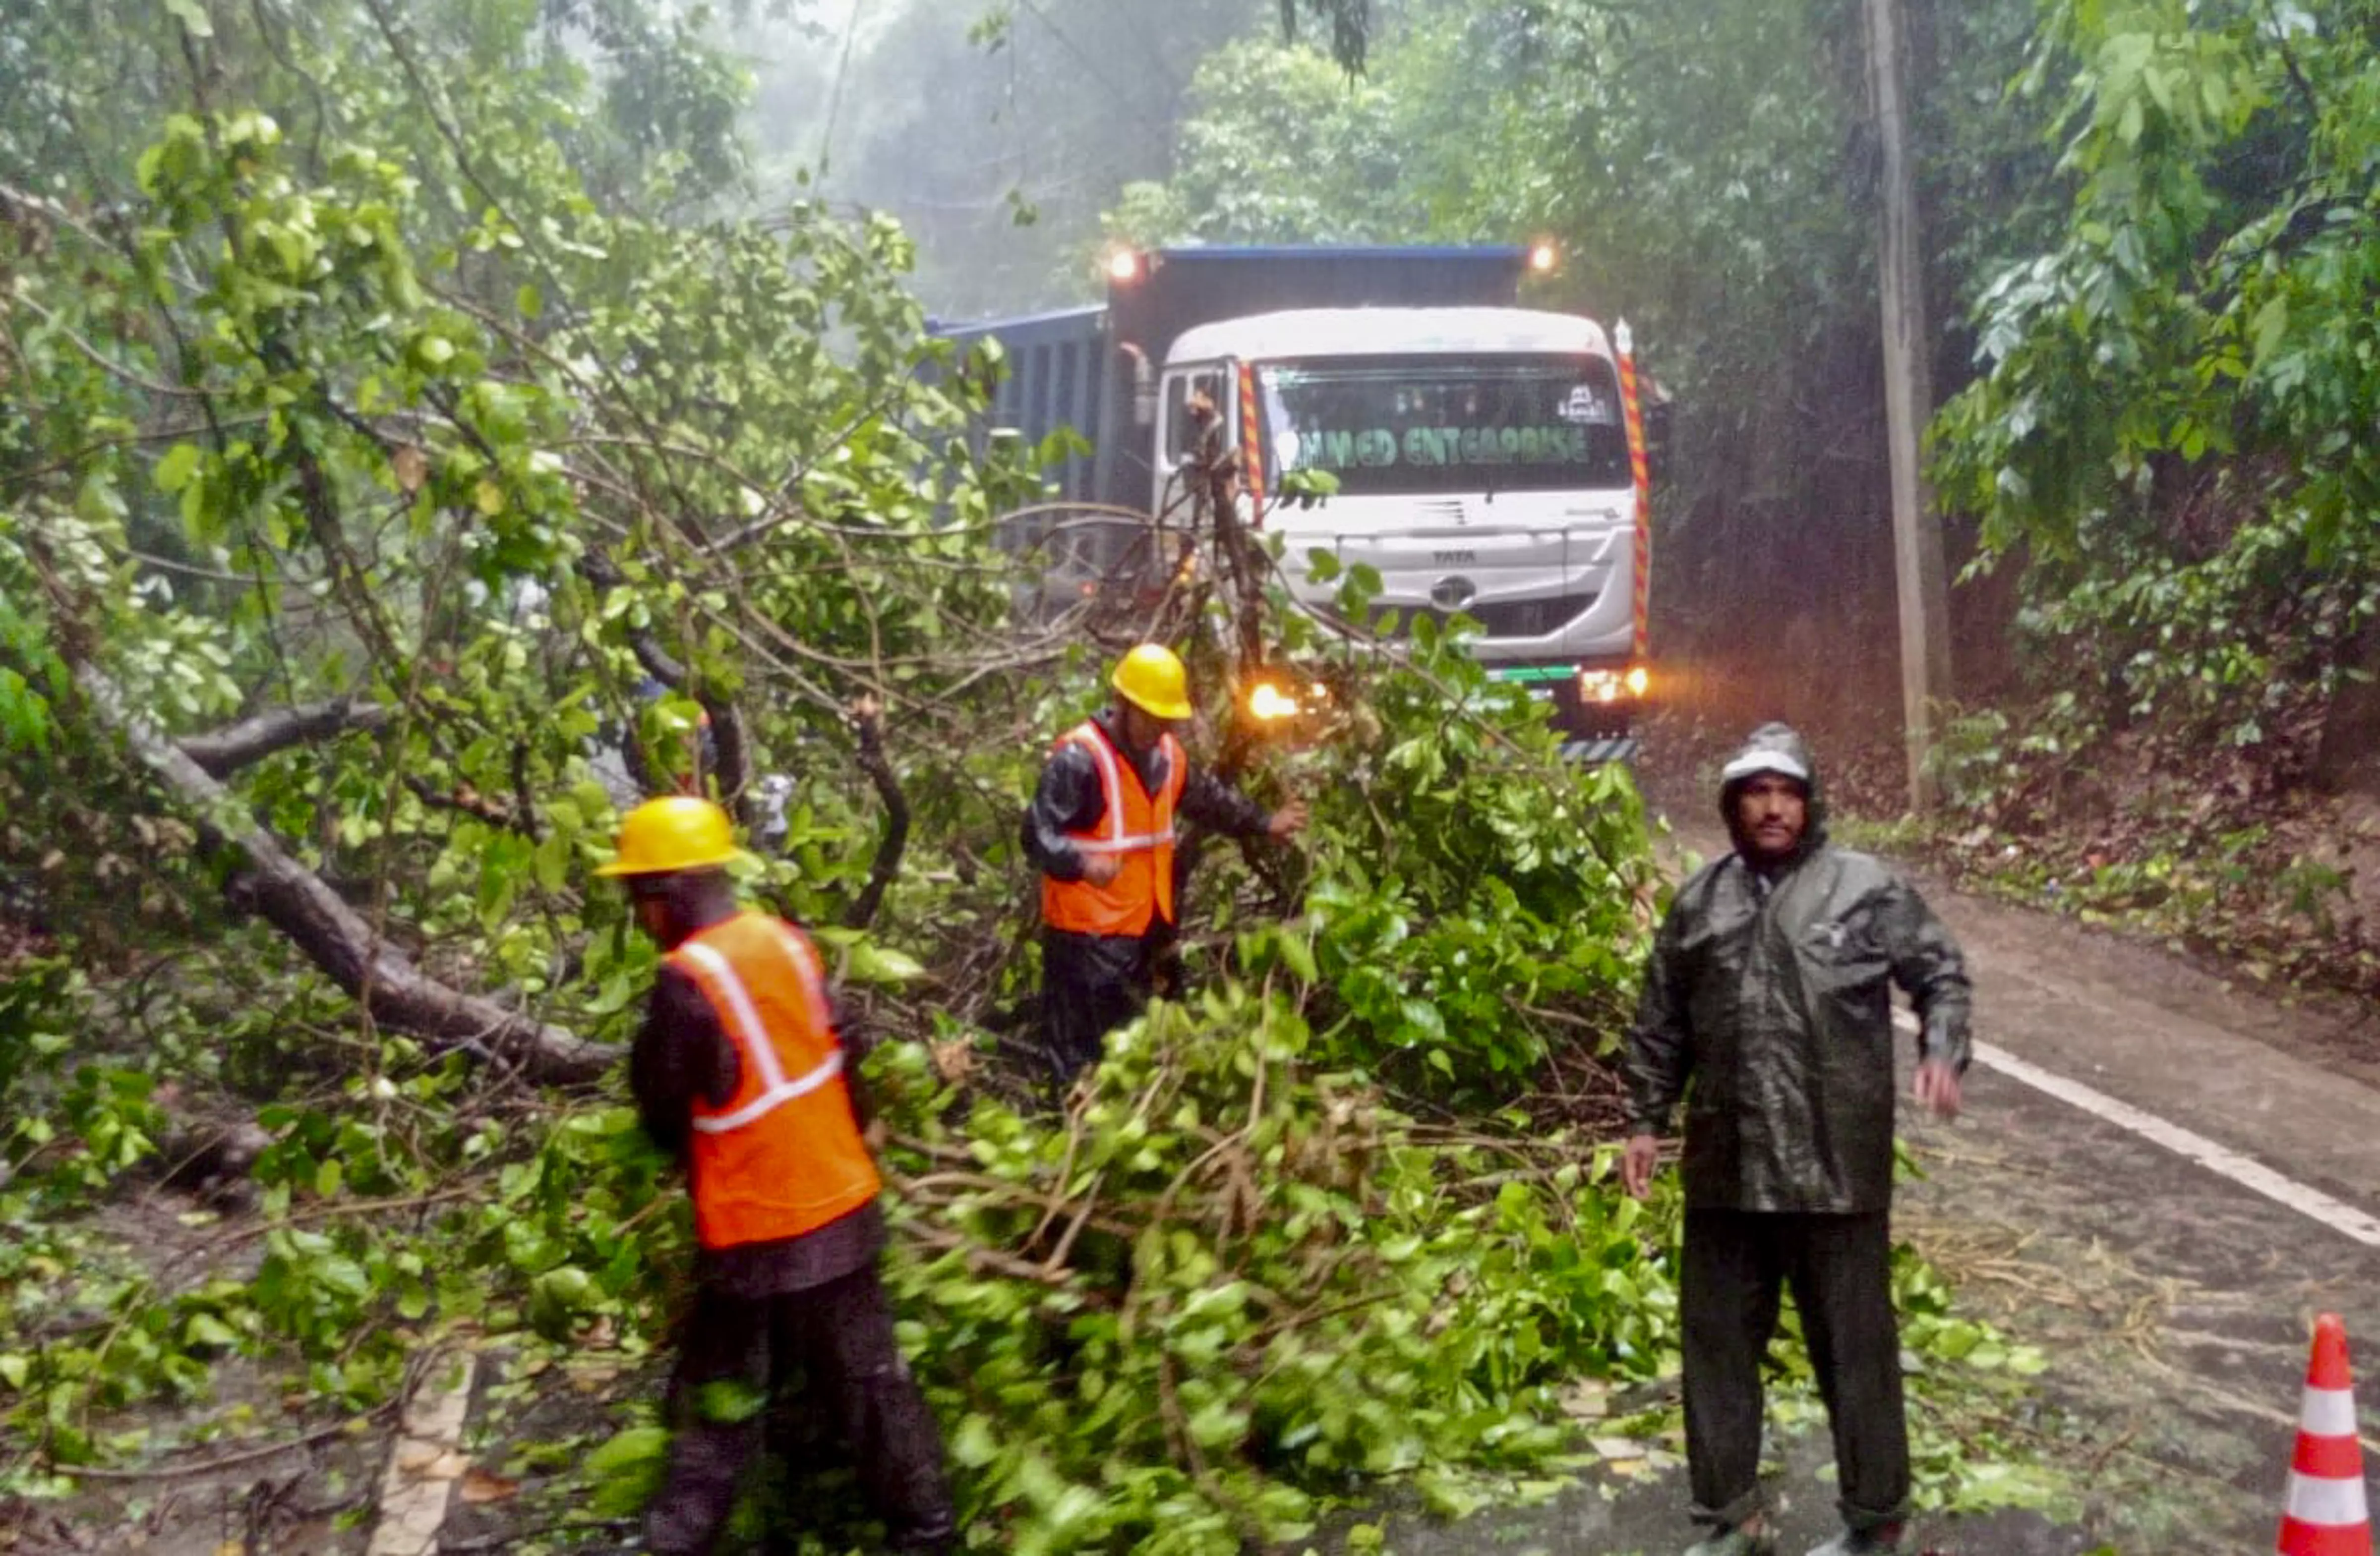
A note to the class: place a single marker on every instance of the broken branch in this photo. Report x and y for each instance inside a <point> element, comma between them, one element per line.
<point>251,740</point>
<point>295,901</point>
<point>868,715</point>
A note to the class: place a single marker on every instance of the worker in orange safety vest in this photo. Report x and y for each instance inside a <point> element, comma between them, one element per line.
<point>740,1071</point>
<point>1102,831</point>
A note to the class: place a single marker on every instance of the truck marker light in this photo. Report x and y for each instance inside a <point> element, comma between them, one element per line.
<point>1542,257</point>
<point>1639,680</point>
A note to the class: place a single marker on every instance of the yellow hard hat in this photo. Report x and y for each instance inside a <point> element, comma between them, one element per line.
<point>1151,679</point>
<point>680,832</point>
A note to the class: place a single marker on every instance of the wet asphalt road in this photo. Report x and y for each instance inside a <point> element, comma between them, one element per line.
<point>2173,1304</point>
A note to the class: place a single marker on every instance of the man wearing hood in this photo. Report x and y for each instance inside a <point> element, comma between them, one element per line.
<point>1767,1009</point>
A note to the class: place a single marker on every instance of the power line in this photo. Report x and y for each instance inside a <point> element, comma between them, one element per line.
<point>1156,54</point>
<point>834,98</point>
<point>1123,100</point>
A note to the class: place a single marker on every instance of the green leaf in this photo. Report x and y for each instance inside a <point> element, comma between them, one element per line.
<point>2269,328</point>
<point>192,15</point>
<point>626,1470</point>
<point>872,963</point>
<point>341,1274</point>
<point>205,1329</point>
<point>1422,1020</point>
<point>973,1444</point>
<point>175,470</point>
<point>728,1400</point>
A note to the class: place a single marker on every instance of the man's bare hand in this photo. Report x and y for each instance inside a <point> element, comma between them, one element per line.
<point>1936,1088</point>
<point>1102,869</point>
<point>1637,1160</point>
<point>1288,821</point>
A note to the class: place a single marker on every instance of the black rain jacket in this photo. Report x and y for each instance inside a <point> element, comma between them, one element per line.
<point>1068,800</point>
<point>683,1055</point>
<point>1767,1007</point>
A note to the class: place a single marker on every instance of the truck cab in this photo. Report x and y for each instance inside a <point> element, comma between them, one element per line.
<point>1482,468</point>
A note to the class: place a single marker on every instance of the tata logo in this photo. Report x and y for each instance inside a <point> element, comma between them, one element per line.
<point>1454,559</point>
<point>1453,594</point>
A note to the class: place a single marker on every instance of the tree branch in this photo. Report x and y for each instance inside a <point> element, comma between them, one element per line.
<point>868,714</point>
<point>733,750</point>
<point>463,800</point>
<point>2288,59</point>
<point>335,937</point>
<point>227,751</point>
<point>524,795</point>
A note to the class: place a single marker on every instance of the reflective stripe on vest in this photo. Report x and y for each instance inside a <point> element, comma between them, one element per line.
<point>775,1089</point>
<point>783,1156</point>
<point>1136,829</point>
<point>1116,839</point>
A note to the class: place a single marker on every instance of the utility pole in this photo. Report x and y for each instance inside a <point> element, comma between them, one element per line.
<point>1908,401</point>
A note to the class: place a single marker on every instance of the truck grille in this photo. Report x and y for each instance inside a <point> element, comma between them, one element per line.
<point>1508,617</point>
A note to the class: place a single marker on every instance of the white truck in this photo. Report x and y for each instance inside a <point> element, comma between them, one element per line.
<point>1479,449</point>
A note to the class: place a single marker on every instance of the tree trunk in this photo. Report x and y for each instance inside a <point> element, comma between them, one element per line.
<point>2349,760</point>
<point>335,937</point>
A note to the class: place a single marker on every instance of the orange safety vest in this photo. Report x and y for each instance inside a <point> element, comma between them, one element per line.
<point>783,1155</point>
<point>1137,827</point>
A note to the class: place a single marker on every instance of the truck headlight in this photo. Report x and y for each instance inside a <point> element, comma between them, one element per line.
<point>1603,687</point>
<point>1268,703</point>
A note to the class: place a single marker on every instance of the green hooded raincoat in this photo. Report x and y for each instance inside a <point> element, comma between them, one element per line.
<point>1767,1007</point>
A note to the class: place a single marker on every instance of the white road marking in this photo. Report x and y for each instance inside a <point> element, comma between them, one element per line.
<point>2339,1216</point>
<point>425,1462</point>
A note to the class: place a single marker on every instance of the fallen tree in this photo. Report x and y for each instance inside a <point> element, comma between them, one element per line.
<point>332,935</point>
<point>414,503</point>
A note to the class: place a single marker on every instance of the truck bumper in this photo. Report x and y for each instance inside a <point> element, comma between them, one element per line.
<point>1594,730</point>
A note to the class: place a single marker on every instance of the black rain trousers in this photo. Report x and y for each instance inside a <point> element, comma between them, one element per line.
<point>840,1336</point>
<point>1736,1265</point>
<point>1091,986</point>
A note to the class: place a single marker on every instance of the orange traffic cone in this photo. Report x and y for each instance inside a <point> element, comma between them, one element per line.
<point>2326,1514</point>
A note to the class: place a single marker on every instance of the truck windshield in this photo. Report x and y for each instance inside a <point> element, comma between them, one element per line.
<point>1447,424</point>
